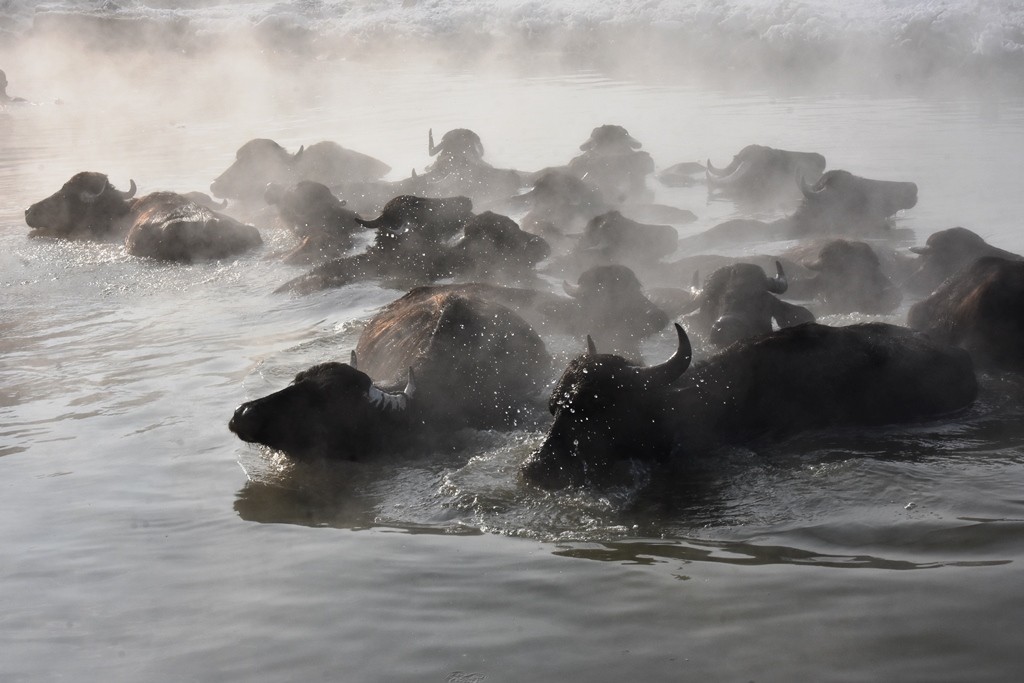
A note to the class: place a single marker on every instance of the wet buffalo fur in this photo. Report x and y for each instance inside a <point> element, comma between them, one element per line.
<point>609,413</point>
<point>980,309</point>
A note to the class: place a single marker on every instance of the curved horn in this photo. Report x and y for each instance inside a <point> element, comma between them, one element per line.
<point>302,148</point>
<point>722,172</point>
<point>665,373</point>
<point>727,178</point>
<point>808,191</point>
<point>591,347</point>
<point>778,284</point>
<point>132,189</point>
<point>430,143</point>
<point>378,222</point>
<point>223,204</point>
<point>90,197</point>
<point>570,289</point>
<point>695,282</point>
<point>352,360</point>
<point>390,402</point>
<point>923,251</point>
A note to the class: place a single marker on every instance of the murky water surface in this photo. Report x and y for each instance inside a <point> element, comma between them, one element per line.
<point>144,542</point>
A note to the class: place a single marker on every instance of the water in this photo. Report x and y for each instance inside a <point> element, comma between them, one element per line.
<point>144,542</point>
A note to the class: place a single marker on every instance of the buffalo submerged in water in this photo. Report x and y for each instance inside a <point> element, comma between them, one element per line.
<point>609,414</point>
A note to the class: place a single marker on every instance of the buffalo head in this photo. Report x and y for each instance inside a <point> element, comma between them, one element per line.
<point>493,245</point>
<point>257,163</point>
<point>945,253</point>
<point>460,146</point>
<point>758,172</point>
<point>842,203</point>
<point>738,301</point>
<point>849,278</point>
<point>607,412</point>
<point>610,139</point>
<point>331,410</point>
<point>617,239</point>
<point>87,206</point>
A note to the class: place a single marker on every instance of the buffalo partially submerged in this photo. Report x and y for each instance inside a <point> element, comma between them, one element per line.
<point>86,207</point>
<point>759,174</point>
<point>4,97</point>
<point>848,278</point>
<point>321,221</point>
<point>839,204</point>
<point>435,219</point>
<point>946,253</point>
<point>558,204</point>
<point>162,225</point>
<point>494,249</point>
<point>462,362</point>
<point>613,238</point>
<point>170,227</point>
<point>613,162</point>
<point>459,168</point>
<point>260,162</point>
<point>609,413</point>
<point>981,309</point>
<point>739,301</point>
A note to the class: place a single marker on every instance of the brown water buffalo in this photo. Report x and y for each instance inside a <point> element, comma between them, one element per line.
<point>260,162</point>
<point>609,414</point>
<point>86,207</point>
<point>739,301</point>
<point>612,161</point>
<point>463,362</point>
<point>839,204</point>
<point>946,253</point>
<point>321,221</point>
<point>169,227</point>
<point>981,309</point>
<point>161,225</point>
<point>759,174</point>
<point>848,278</point>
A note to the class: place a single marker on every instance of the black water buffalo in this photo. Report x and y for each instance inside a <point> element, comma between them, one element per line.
<point>494,249</point>
<point>613,238</point>
<point>946,253</point>
<point>162,225</point>
<point>260,162</point>
<point>839,204</point>
<point>4,97</point>
<point>738,301</point>
<point>459,168</point>
<point>321,221</point>
<point>86,207</point>
<point>463,362</point>
<point>981,309</point>
<point>609,413</point>
<point>203,199</point>
<point>848,278</point>
<point>436,219</point>
<point>169,227</point>
<point>759,174</point>
<point>559,203</point>
<point>612,161</point>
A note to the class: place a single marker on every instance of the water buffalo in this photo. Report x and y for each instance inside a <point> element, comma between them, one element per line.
<point>260,162</point>
<point>559,203</point>
<point>162,225</point>
<point>609,414</point>
<point>944,254</point>
<point>463,362</point>
<point>981,309</point>
<point>613,238</point>
<point>611,160</point>
<point>848,278</point>
<point>86,207</point>
<point>494,249</point>
<point>839,204</point>
<point>435,219</point>
<point>759,174</point>
<point>4,97</point>
<point>738,302</point>
<point>170,227</point>
<point>321,221</point>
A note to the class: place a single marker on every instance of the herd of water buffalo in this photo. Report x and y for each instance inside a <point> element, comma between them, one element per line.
<point>465,347</point>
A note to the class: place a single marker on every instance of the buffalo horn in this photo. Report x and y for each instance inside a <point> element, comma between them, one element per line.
<point>591,346</point>
<point>430,146</point>
<point>393,402</point>
<point>778,284</point>
<point>132,189</point>
<point>713,171</point>
<point>665,373</point>
<point>808,191</point>
<point>90,197</point>
<point>352,360</point>
<point>921,250</point>
<point>570,289</point>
